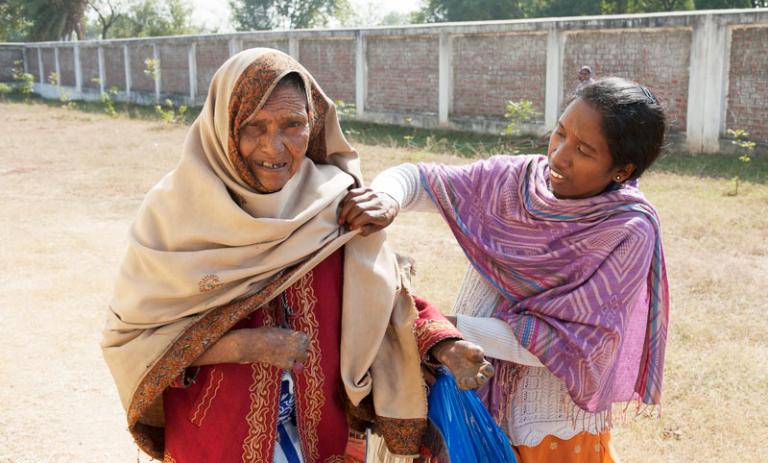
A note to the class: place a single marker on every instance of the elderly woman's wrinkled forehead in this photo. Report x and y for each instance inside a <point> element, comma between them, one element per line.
<point>290,90</point>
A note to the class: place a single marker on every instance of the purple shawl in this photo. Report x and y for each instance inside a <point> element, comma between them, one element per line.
<point>581,278</point>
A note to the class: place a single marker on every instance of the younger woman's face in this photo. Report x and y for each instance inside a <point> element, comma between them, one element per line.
<point>580,164</point>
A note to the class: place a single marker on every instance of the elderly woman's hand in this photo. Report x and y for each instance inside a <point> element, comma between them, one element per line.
<point>466,361</point>
<point>277,346</point>
<point>367,210</point>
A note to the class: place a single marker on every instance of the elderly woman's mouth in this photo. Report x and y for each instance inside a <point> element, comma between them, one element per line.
<point>271,165</point>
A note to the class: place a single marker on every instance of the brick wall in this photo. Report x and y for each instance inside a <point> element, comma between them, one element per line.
<point>490,63</point>
<point>89,63</point>
<point>174,65</point>
<point>489,70</point>
<point>49,63</point>
<point>332,63</point>
<point>67,66</point>
<point>114,67</point>
<point>656,59</point>
<point>748,82</point>
<point>210,55</point>
<point>8,58</point>
<point>32,66</point>
<point>281,45</point>
<point>402,74</point>
<point>139,80</point>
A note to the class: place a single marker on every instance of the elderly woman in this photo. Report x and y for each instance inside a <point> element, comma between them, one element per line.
<point>567,289</point>
<point>246,324</point>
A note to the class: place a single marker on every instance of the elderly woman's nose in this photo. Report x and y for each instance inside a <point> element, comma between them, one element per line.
<point>272,143</point>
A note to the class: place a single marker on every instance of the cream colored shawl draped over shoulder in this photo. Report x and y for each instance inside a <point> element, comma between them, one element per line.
<point>206,250</point>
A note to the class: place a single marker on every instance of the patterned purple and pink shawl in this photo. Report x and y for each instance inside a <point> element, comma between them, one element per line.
<point>581,278</point>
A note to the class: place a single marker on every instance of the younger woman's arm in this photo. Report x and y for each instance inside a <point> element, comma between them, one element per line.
<point>374,208</point>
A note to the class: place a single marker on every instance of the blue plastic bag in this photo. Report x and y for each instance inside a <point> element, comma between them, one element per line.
<point>468,430</point>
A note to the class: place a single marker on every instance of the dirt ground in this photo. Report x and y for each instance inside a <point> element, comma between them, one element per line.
<point>71,182</point>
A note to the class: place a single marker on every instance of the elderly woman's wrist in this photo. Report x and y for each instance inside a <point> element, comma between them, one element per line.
<point>437,352</point>
<point>238,347</point>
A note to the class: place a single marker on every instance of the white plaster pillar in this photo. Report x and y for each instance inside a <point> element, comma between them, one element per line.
<point>40,70</point>
<point>554,80</point>
<point>293,47</point>
<point>102,71</point>
<point>25,59</point>
<point>127,68</point>
<point>192,65</point>
<point>361,73</point>
<point>234,46</point>
<point>445,78</point>
<point>158,82</point>
<point>707,84</point>
<point>78,69</point>
<point>58,67</point>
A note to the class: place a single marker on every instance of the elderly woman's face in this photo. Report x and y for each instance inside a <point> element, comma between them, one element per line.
<point>274,141</point>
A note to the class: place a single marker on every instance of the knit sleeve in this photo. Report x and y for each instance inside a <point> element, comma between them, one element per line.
<point>403,184</point>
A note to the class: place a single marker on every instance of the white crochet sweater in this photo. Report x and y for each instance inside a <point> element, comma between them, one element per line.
<point>540,405</point>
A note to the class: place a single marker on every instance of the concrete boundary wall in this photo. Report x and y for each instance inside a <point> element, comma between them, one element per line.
<point>710,68</point>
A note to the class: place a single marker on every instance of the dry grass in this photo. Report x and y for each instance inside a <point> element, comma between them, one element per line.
<point>70,184</point>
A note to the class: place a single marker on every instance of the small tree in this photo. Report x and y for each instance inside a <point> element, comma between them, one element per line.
<point>517,113</point>
<point>170,114</point>
<point>745,156</point>
<point>24,81</point>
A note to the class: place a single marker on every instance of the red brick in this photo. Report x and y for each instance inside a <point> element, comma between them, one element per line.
<point>114,67</point>
<point>489,70</point>
<point>140,81</point>
<point>67,66</point>
<point>332,63</point>
<point>656,59</point>
<point>748,82</point>
<point>403,74</point>
<point>210,56</point>
<point>174,65</point>
<point>89,64</point>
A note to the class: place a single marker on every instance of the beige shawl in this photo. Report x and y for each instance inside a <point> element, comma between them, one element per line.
<point>206,250</point>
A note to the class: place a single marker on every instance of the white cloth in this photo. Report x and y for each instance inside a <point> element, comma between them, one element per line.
<point>540,405</point>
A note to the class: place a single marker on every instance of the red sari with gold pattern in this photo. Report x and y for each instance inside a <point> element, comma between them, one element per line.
<point>228,412</point>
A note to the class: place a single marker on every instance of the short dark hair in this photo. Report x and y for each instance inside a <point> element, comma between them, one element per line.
<point>633,121</point>
<point>294,80</point>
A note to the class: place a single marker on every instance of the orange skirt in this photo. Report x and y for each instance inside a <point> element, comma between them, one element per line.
<point>581,448</point>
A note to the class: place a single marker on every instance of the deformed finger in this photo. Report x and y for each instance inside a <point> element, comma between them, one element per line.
<point>487,370</point>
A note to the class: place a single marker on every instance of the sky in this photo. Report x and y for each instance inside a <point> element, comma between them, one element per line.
<point>215,13</point>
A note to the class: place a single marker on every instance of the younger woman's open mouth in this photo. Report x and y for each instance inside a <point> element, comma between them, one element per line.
<point>556,175</point>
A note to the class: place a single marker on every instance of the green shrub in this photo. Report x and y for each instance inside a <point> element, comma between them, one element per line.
<point>170,114</point>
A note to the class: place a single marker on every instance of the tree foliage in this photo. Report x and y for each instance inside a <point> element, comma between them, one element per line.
<point>479,10</point>
<point>13,24</point>
<point>108,12</point>
<point>460,10</point>
<point>41,20</point>
<point>282,14</point>
<point>150,18</point>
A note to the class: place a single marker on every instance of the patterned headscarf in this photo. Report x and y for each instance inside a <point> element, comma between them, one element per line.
<point>207,249</point>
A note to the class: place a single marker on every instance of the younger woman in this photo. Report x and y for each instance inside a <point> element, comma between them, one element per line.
<point>567,288</point>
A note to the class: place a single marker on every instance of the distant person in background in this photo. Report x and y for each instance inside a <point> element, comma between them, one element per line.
<point>585,77</point>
